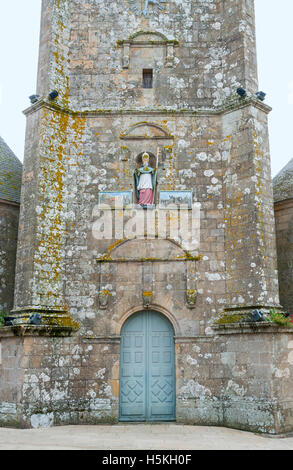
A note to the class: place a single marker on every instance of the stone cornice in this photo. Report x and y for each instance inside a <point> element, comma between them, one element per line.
<point>248,308</point>
<point>147,260</point>
<point>193,339</point>
<point>31,330</point>
<point>147,38</point>
<point>250,328</point>
<point>117,339</point>
<point>230,105</point>
<point>113,339</point>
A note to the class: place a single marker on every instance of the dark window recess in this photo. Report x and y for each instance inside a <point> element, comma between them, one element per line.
<point>147,78</point>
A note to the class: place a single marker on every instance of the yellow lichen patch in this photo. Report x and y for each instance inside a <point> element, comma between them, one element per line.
<point>61,53</point>
<point>51,219</point>
<point>190,257</point>
<point>191,291</point>
<point>115,388</point>
<point>258,154</point>
<point>105,292</point>
<point>107,255</point>
<point>65,321</point>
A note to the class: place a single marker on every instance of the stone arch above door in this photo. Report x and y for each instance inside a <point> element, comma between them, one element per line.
<point>139,265</point>
<point>158,308</point>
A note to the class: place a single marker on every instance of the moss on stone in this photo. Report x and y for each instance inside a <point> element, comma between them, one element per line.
<point>66,321</point>
<point>2,316</point>
<point>228,319</point>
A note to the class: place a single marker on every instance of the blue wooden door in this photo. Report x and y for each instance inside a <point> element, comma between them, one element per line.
<point>147,371</point>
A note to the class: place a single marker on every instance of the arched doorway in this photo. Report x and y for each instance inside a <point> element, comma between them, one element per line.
<point>147,368</point>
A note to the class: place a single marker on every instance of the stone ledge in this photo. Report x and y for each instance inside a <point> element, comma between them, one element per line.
<point>250,328</point>
<point>53,320</point>
<point>102,339</point>
<point>193,339</point>
<point>117,339</point>
<point>231,104</point>
<point>31,330</point>
<point>147,260</point>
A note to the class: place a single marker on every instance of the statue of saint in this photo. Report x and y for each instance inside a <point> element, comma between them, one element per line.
<point>145,179</point>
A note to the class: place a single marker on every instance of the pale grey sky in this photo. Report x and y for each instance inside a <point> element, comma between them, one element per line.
<point>19,42</point>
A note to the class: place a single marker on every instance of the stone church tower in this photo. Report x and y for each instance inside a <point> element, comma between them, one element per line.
<point>130,327</point>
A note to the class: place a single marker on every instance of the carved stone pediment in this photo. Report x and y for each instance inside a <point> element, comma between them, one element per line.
<point>145,130</point>
<point>148,39</point>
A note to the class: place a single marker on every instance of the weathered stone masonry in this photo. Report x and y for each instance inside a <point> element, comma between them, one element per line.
<point>87,141</point>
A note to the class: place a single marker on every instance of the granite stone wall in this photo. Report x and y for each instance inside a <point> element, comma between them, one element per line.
<point>203,51</point>
<point>81,156</point>
<point>87,141</point>
<point>236,377</point>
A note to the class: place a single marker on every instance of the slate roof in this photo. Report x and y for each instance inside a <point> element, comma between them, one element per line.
<point>10,174</point>
<point>283,183</point>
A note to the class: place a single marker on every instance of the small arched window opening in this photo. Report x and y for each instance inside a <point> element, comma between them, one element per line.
<point>147,78</point>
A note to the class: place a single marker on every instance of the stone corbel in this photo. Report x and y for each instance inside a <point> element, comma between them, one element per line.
<point>104,297</point>
<point>147,284</point>
<point>125,154</point>
<point>147,299</point>
<point>191,298</point>
<point>126,55</point>
<point>170,55</point>
<point>191,291</point>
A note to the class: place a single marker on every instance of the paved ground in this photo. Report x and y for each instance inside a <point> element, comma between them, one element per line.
<point>140,436</point>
